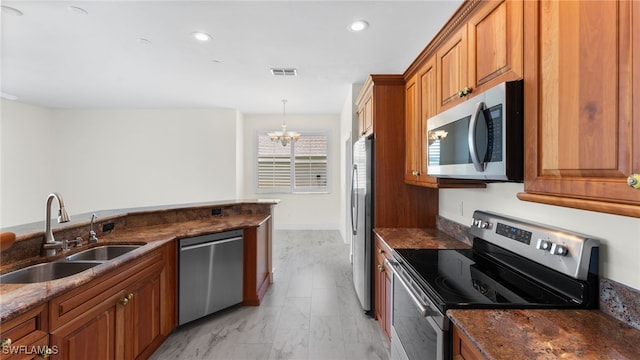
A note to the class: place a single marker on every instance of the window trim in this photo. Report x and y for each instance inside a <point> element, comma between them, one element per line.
<point>291,190</point>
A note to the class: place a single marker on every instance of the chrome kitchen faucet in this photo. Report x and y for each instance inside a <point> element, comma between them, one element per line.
<point>49,244</point>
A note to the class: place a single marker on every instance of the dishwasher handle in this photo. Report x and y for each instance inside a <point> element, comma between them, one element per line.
<point>209,243</point>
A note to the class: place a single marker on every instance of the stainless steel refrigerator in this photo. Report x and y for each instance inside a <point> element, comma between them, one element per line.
<point>362,220</point>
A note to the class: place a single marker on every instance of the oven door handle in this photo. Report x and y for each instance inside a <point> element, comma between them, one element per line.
<point>423,308</point>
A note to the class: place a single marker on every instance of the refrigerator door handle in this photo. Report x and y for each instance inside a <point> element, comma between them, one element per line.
<point>354,200</point>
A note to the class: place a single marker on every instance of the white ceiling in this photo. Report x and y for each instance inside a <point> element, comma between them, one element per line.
<point>56,58</point>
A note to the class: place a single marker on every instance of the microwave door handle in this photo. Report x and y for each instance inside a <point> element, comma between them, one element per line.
<point>473,148</point>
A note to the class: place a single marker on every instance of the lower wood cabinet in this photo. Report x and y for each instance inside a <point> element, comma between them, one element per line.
<point>124,315</point>
<point>257,263</point>
<point>26,336</point>
<point>382,286</point>
<point>463,349</point>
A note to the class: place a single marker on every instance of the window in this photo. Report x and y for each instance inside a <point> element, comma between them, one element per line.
<point>300,167</point>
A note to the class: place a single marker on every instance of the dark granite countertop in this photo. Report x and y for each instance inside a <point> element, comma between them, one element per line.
<point>412,238</point>
<point>547,334</point>
<point>17,298</point>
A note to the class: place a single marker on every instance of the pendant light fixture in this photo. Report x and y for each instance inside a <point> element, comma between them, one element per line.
<point>284,136</point>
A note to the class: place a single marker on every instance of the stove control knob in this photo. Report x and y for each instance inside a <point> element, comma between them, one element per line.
<point>558,250</point>
<point>543,245</point>
<point>485,225</point>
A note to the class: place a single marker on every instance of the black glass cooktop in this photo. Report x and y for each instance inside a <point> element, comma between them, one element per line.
<point>469,279</point>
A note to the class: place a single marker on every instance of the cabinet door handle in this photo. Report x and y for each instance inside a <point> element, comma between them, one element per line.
<point>380,251</point>
<point>125,300</point>
<point>464,92</point>
<point>415,173</point>
<point>634,181</point>
<point>380,268</point>
<point>45,352</point>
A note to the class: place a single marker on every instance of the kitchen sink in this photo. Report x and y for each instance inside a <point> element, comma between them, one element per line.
<point>102,253</point>
<point>45,272</point>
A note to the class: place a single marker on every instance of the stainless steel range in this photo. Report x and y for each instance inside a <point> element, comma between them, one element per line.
<point>513,264</point>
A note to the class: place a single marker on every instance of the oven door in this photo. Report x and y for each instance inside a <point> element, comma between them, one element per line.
<point>415,332</point>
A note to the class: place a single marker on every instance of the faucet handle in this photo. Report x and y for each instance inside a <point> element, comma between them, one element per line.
<point>92,237</point>
<point>92,234</point>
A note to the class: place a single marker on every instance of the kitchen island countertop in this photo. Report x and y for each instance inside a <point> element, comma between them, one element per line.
<point>151,227</point>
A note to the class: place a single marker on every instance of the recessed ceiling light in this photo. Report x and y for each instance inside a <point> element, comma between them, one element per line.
<point>358,25</point>
<point>201,36</point>
<point>78,10</point>
<point>11,11</point>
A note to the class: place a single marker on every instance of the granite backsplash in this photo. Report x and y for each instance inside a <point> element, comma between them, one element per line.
<point>616,300</point>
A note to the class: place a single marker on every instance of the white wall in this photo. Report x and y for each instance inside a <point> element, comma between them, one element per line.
<point>239,155</point>
<point>620,246</point>
<point>297,211</point>
<point>108,159</point>
<point>27,138</point>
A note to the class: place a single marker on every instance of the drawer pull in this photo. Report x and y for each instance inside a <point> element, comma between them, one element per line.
<point>125,300</point>
<point>5,343</point>
<point>380,251</point>
<point>380,268</point>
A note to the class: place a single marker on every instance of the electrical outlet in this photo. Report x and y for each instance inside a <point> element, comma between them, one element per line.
<point>216,212</point>
<point>108,227</point>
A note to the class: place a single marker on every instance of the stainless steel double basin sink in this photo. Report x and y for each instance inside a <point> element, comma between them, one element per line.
<point>70,265</point>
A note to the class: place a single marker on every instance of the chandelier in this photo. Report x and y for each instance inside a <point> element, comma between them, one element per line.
<point>284,136</point>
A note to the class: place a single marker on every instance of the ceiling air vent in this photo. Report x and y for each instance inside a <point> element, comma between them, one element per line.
<point>284,72</point>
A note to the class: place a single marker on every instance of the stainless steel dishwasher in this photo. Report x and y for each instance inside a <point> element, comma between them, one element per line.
<point>210,274</point>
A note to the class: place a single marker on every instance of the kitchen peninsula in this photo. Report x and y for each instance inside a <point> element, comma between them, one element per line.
<point>132,297</point>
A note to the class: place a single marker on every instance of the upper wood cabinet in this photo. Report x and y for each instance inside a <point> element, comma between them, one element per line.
<point>495,33</point>
<point>365,112</point>
<point>420,106</point>
<point>451,68</point>
<point>485,51</point>
<point>582,71</point>
<point>397,204</point>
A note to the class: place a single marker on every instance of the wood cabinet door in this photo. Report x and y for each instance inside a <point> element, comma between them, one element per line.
<point>581,130</point>
<point>142,316</point>
<point>91,336</point>
<point>368,116</point>
<point>387,300</point>
<point>495,36</point>
<point>428,108</point>
<point>451,68</point>
<point>413,131</point>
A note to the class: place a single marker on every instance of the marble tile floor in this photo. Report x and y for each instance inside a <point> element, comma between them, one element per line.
<point>310,312</point>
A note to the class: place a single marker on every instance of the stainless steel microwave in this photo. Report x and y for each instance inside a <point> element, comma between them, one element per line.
<point>481,138</point>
